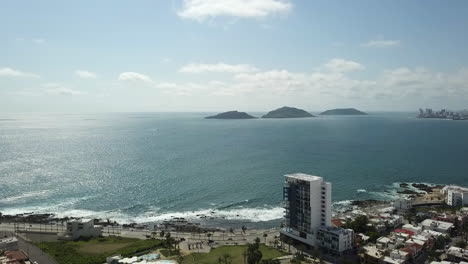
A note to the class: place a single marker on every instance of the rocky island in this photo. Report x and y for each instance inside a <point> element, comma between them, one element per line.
<point>287,112</point>
<point>231,115</point>
<point>343,111</point>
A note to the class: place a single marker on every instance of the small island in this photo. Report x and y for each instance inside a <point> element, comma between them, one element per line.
<point>343,111</point>
<point>288,112</point>
<point>231,115</point>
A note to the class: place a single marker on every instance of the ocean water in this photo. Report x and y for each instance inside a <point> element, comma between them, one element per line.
<point>145,167</point>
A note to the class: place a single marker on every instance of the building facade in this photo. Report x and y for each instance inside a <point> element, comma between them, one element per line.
<point>335,240</point>
<point>307,201</point>
<point>82,228</point>
<point>8,244</point>
<point>455,195</point>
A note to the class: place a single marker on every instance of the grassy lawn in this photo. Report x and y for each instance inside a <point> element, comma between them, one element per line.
<point>236,253</point>
<point>95,251</point>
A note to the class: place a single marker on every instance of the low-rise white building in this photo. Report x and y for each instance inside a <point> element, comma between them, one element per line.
<point>455,195</point>
<point>410,227</point>
<point>399,254</point>
<point>403,204</point>
<point>8,244</point>
<point>82,228</point>
<point>335,240</point>
<point>372,254</point>
<point>390,260</point>
<point>439,226</point>
<point>457,254</point>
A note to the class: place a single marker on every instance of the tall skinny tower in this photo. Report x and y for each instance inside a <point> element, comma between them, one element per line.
<point>307,201</point>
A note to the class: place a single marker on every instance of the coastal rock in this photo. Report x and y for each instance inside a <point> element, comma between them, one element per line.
<point>425,187</point>
<point>287,112</point>
<point>231,115</point>
<point>343,111</point>
<point>367,203</point>
<point>404,185</point>
<point>411,192</point>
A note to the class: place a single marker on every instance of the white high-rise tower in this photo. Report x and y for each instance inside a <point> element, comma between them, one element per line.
<point>307,201</point>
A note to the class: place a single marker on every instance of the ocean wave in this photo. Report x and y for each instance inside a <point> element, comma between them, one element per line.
<point>236,204</point>
<point>361,191</point>
<point>240,214</point>
<point>342,203</point>
<point>57,208</point>
<point>13,199</point>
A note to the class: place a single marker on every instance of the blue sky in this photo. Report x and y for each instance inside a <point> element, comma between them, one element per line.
<point>212,55</point>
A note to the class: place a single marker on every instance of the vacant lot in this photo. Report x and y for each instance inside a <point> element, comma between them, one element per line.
<point>236,253</point>
<point>95,251</point>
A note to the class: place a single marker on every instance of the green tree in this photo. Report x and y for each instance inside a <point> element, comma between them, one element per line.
<point>360,225</point>
<point>254,255</point>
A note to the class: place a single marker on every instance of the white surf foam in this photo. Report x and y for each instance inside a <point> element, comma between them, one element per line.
<point>240,214</point>
<point>13,199</point>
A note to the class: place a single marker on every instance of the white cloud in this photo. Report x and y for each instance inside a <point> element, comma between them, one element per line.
<point>86,74</point>
<point>58,89</point>
<point>201,9</point>
<point>341,65</point>
<point>331,82</point>
<point>182,89</point>
<point>134,77</point>
<point>39,41</point>
<point>219,67</point>
<point>381,43</point>
<point>9,72</point>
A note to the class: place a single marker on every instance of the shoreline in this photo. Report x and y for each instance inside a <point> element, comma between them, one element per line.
<point>211,221</point>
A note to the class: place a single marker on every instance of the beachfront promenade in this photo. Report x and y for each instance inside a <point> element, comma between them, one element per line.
<point>198,242</point>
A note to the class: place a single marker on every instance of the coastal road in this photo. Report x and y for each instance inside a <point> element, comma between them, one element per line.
<point>35,254</point>
<point>220,237</point>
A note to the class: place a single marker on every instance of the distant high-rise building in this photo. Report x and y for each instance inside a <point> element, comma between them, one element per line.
<point>307,201</point>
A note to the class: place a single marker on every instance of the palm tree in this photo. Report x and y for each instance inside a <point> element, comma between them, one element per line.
<point>275,243</point>
<point>265,236</point>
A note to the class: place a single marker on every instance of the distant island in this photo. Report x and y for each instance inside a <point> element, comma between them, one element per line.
<point>231,115</point>
<point>343,111</point>
<point>287,112</point>
<point>443,114</point>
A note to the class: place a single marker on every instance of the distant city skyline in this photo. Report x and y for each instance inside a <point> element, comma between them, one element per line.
<point>214,56</point>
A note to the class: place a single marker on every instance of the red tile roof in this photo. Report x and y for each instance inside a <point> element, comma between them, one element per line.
<point>406,231</point>
<point>16,255</point>
<point>337,222</point>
